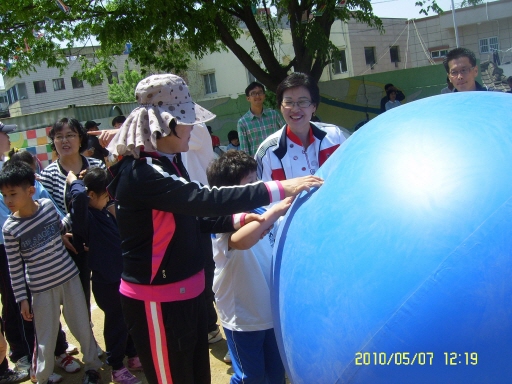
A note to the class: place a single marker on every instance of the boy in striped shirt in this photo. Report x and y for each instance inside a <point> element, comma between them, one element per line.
<point>37,258</point>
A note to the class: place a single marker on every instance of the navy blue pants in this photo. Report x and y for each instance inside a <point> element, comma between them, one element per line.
<point>255,357</point>
<point>118,342</point>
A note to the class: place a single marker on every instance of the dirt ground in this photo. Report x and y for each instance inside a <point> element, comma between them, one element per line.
<point>221,372</point>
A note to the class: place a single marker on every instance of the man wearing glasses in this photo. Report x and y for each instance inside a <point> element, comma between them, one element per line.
<point>460,64</point>
<point>258,123</point>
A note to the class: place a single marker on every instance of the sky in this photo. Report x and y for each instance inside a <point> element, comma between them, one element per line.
<point>386,8</point>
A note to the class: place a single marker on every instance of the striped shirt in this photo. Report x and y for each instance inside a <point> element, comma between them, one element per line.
<point>35,251</point>
<point>53,178</point>
<point>252,130</point>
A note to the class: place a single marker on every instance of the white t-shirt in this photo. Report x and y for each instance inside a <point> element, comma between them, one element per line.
<point>242,284</point>
<point>199,155</point>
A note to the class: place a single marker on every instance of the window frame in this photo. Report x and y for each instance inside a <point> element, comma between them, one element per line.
<point>337,65</point>
<point>76,83</point>
<point>61,84</point>
<point>492,43</point>
<point>37,88</point>
<point>368,62</point>
<point>397,54</point>
<point>440,53</point>
<point>208,83</point>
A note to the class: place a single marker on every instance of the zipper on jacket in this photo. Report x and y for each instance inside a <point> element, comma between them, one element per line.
<point>163,274</point>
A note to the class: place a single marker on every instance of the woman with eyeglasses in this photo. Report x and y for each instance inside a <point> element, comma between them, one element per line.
<point>301,146</point>
<point>69,138</point>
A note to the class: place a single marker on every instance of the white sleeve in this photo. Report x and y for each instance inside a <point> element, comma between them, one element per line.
<point>220,247</point>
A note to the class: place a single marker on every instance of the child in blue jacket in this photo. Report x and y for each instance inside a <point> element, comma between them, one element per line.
<point>94,223</point>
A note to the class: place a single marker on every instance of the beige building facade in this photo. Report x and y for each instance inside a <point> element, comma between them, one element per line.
<point>47,89</point>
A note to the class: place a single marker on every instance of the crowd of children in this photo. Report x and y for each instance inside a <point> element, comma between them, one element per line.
<point>146,260</point>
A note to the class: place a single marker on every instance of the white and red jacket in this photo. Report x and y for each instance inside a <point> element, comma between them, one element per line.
<point>281,156</point>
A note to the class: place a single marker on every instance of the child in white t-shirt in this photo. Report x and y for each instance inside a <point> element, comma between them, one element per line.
<point>242,280</point>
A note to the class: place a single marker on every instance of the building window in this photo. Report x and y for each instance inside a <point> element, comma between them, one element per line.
<point>76,83</point>
<point>40,86</point>
<point>210,86</point>
<point>12,95</point>
<point>394,54</point>
<point>340,63</point>
<point>369,55</point>
<point>438,54</point>
<point>112,76</point>
<point>488,45</point>
<point>58,84</point>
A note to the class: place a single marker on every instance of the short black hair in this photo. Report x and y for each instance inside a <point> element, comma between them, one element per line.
<point>75,126</point>
<point>96,180</point>
<point>387,86</point>
<point>16,155</point>
<point>118,119</point>
<point>252,86</point>
<point>457,53</point>
<point>232,135</point>
<point>230,168</point>
<point>509,79</point>
<point>390,91</point>
<point>298,79</point>
<point>17,174</point>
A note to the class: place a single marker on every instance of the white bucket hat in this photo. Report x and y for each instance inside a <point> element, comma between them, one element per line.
<point>162,98</point>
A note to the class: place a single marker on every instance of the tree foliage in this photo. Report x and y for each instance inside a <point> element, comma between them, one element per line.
<point>166,34</point>
<point>124,90</point>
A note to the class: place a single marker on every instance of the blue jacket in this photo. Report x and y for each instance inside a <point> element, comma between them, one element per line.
<point>99,230</point>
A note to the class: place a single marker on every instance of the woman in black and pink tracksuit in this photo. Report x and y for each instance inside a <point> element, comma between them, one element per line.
<point>161,215</point>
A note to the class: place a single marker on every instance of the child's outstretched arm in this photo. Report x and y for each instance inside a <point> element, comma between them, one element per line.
<point>252,232</point>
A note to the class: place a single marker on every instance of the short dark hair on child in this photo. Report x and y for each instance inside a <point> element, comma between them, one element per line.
<point>25,156</point>
<point>118,119</point>
<point>17,174</point>
<point>230,168</point>
<point>252,86</point>
<point>96,180</point>
<point>390,91</point>
<point>232,135</point>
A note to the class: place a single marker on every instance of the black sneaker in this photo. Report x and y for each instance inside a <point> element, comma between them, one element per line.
<point>91,377</point>
<point>11,376</point>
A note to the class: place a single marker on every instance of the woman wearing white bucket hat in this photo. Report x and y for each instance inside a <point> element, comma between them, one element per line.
<point>157,210</point>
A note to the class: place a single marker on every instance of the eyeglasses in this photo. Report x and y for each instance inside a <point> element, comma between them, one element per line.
<point>253,94</point>
<point>288,104</point>
<point>463,72</point>
<point>67,137</point>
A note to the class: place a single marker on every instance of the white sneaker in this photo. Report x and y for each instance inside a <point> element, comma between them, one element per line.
<point>67,363</point>
<point>227,358</point>
<point>23,364</point>
<point>54,377</point>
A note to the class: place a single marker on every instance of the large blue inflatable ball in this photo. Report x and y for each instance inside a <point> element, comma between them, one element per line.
<point>399,268</point>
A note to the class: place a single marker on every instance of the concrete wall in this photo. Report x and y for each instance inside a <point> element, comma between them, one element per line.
<point>362,36</point>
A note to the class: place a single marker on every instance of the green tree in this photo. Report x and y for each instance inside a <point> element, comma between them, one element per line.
<point>166,34</point>
<point>124,90</point>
